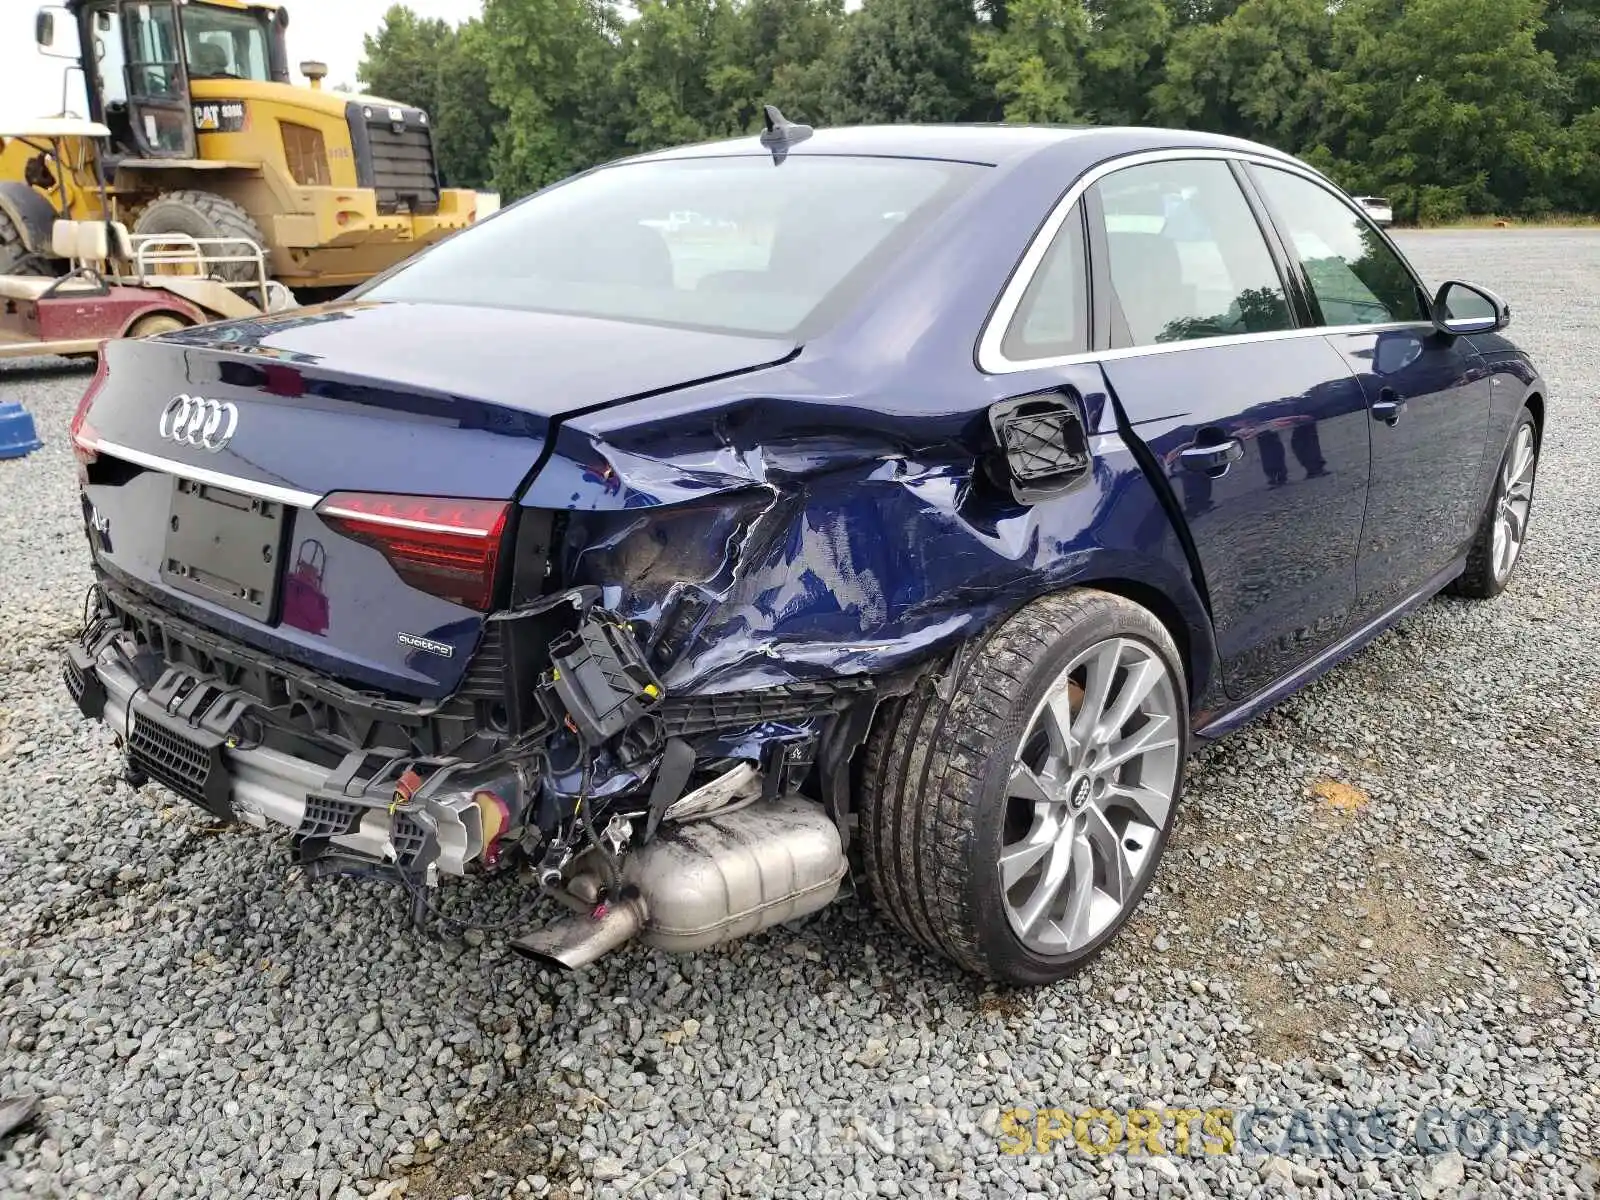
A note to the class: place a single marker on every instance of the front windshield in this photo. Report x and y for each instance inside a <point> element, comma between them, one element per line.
<point>224,43</point>
<point>732,244</point>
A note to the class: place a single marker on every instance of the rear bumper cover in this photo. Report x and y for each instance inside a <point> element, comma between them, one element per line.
<point>180,731</point>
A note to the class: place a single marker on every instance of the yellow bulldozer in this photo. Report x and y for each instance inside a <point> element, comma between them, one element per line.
<point>210,139</point>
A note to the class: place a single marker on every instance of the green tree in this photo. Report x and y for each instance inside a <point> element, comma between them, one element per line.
<point>1451,108</point>
<point>1572,35</point>
<point>399,60</point>
<point>782,52</point>
<point>465,117</point>
<point>1261,72</point>
<point>1202,12</point>
<point>1123,62</point>
<point>668,71</point>
<point>1447,106</point>
<point>552,70</point>
<point>442,70</point>
<point>906,60</point>
<point>1031,60</point>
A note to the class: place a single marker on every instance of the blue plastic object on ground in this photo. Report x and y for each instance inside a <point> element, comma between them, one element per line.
<point>17,433</point>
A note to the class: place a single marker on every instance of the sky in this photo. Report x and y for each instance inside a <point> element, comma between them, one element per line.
<point>329,30</point>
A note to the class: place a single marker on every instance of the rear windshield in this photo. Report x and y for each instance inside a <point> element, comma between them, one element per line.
<point>736,245</point>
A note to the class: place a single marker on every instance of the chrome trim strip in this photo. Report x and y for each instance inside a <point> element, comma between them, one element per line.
<point>1239,339</point>
<point>247,487</point>
<point>336,510</point>
<point>992,360</point>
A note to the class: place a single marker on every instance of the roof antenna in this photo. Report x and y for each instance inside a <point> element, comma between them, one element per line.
<point>781,133</point>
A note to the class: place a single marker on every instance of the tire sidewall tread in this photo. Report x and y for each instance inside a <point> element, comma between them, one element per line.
<point>935,816</point>
<point>1477,581</point>
<point>207,214</point>
<point>15,258</point>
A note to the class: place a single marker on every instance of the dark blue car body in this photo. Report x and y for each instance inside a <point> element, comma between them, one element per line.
<point>772,513</point>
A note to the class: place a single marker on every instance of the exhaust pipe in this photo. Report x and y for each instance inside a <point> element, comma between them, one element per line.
<point>577,939</point>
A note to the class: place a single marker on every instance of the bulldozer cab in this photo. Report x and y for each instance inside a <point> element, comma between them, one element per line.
<point>137,58</point>
<point>212,139</point>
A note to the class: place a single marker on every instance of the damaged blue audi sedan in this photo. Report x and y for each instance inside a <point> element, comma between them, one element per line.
<point>916,498</point>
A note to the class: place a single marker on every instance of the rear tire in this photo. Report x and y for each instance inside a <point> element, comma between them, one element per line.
<point>15,258</point>
<point>960,790</point>
<point>1503,528</point>
<point>204,215</point>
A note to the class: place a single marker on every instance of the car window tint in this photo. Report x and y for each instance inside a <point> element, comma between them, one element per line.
<point>1187,258</point>
<point>732,244</point>
<point>1355,276</point>
<point>1053,316</point>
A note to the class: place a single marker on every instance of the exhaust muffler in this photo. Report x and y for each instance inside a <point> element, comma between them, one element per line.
<point>706,881</point>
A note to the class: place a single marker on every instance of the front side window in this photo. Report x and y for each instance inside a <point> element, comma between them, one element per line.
<point>223,44</point>
<point>1355,276</point>
<point>738,245</point>
<point>1053,316</point>
<point>1187,258</point>
<point>105,32</point>
<point>152,34</point>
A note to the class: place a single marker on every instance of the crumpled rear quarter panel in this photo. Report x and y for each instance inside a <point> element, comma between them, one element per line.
<point>805,554</point>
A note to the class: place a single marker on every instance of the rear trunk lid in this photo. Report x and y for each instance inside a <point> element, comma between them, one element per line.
<point>262,478</point>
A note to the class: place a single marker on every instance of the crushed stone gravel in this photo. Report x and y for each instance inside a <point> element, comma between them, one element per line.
<point>1381,898</point>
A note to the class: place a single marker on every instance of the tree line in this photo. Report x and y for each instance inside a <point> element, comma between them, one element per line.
<point>1447,107</point>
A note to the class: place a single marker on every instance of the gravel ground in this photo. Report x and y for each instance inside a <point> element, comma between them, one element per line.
<point>1382,898</point>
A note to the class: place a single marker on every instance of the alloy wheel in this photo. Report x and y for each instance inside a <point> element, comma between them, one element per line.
<point>1515,502</point>
<point>1089,795</point>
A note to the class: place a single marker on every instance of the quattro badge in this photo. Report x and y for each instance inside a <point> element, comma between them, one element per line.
<point>414,641</point>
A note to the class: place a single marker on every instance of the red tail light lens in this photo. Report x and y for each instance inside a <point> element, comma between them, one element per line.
<point>447,548</point>
<point>85,442</point>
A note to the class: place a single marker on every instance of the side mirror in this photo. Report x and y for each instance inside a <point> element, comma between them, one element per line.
<point>1462,308</point>
<point>44,33</point>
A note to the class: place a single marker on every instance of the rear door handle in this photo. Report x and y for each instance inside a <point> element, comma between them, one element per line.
<point>1389,407</point>
<point>1213,458</point>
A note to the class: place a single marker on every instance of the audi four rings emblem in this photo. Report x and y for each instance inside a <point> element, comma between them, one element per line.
<point>195,421</point>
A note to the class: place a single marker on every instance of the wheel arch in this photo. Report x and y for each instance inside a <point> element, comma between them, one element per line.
<point>1157,589</point>
<point>1534,401</point>
<point>1189,634</point>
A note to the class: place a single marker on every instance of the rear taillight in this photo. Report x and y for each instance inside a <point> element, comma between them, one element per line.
<point>447,548</point>
<point>85,442</point>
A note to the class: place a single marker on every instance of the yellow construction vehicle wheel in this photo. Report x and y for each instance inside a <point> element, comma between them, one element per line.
<point>14,256</point>
<point>203,215</point>
<point>156,323</point>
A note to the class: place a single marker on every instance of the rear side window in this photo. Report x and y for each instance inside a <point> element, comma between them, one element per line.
<point>1053,316</point>
<point>732,244</point>
<point>1356,278</point>
<point>1187,258</point>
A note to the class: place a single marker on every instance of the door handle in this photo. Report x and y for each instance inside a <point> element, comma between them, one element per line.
<point>1389,407</point>
<point>1212,458</point>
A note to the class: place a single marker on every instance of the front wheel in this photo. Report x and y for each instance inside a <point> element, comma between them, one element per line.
<point>1503,528</point>
<point>204,215</point>
<point>1013,814</point>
